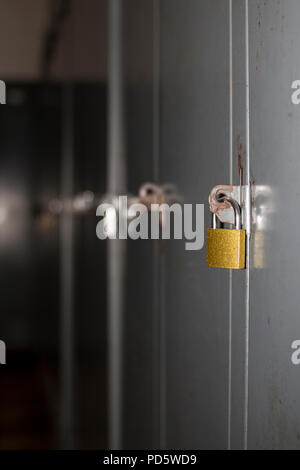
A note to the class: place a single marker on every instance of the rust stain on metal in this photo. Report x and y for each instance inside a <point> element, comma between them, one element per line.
<point>239,4</point>
<point>239,144</point>
<point>161,247</point>
<point>240,151</point>
<point>240,165</point>
<point>215,206</point>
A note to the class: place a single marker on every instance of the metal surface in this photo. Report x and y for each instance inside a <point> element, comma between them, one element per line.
<point>240,281</point>
<point>274,405</point>
<point>178,328</point>
<point>116,176</point>
<point>194,110</point>
<point>141,415</point>
<point>248,397</point>
<point>225,213</point>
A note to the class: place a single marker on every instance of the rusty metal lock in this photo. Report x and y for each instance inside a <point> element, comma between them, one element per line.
<point>226,248</point>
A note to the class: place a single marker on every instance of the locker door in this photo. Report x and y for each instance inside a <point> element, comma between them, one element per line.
<point>219,78</point>
<point>274,405</point>
<point>195,156</point>
<point>140,403</point>
<point>177,77</point>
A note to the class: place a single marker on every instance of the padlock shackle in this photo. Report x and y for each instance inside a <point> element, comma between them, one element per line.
<point>214,221</point>
<point>236,209</point>
<point>237,213</point>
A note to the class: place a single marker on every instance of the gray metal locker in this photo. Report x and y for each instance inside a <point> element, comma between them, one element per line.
<point>210,87</point>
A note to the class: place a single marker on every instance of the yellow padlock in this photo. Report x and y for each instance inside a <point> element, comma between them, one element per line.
<point>227,248</point>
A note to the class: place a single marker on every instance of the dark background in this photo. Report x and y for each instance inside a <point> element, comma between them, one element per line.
<point>30,168</point>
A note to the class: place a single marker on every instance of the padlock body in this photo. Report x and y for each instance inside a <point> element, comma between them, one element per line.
<point>226,249</point>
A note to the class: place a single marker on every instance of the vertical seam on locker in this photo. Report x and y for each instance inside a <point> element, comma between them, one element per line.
<point>230,92</point>
<point>247,296</point>
<point>116,252</point>
<point>163,424</point>
<point>231,179</point>
<point>162,273</point>
<point>156,88</point>
<point>161,260</point>
<point>159,313</point>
